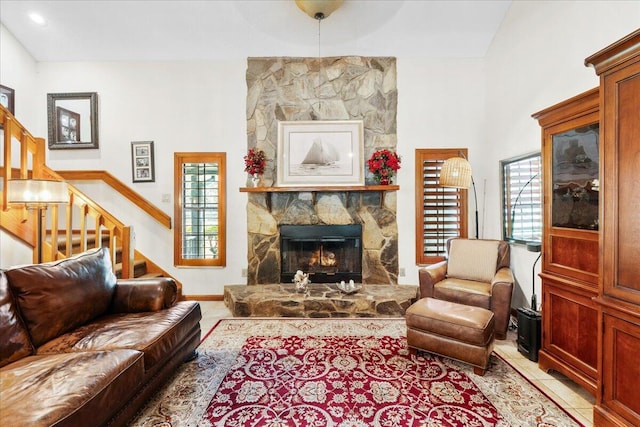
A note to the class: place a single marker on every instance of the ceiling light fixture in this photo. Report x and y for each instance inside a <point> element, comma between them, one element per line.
<point>318,9</point>
<point>37,18</point>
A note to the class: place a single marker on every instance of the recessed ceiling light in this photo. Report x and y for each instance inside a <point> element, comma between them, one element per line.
<point>37,18</point>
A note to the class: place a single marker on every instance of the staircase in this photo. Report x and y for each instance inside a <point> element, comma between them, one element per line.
<point>73,226</point>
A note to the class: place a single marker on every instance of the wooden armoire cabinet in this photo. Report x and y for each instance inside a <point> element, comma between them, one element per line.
<point>618,398</point>
<point>570,257</point>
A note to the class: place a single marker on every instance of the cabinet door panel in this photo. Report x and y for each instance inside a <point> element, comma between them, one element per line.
<point>574,257</point>
<point>621,183</point>
<point>628,197</point>
<point>570,323</point>
<point>621,367</point>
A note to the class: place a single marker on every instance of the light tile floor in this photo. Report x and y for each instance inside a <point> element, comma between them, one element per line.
<point>573,398</point>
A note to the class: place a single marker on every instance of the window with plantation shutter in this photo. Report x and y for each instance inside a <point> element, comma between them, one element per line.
<point>522,198</point>
<point>199,213</point>
<point>441,213</point>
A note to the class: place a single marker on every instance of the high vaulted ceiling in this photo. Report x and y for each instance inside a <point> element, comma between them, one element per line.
<point>124,30</point>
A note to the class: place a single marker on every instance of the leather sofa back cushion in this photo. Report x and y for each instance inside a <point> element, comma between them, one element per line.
<point>472,259</point>
<point>57,297</point>
<point>14,338</point>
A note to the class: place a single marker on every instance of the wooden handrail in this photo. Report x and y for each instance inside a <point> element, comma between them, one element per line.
<point>122,188</point>
<point>79,213</point>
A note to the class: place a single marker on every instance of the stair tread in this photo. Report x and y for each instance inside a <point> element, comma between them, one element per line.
<point>150,276</point>
<point>136,263</point>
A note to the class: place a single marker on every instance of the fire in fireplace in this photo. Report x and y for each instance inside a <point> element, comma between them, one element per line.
<point>328,253</point>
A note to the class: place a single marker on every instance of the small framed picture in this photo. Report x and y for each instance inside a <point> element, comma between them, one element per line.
<point>7,98</point>
<point>143,169</point>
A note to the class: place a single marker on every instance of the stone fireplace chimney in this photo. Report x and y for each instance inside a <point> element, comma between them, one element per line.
<point>341,88</point>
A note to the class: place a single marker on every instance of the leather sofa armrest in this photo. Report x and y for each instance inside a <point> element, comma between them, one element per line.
<point>501,292</point>
<point>429,276</point>
<point>139,295</point>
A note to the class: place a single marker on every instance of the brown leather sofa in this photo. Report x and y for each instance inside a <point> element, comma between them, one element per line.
<point>80,348</point>
<point>477,273</point>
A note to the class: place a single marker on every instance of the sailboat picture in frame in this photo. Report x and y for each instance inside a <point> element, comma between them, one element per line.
<point>312,153</point>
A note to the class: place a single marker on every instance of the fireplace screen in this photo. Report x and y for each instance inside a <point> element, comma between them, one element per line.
<point>329,253</point>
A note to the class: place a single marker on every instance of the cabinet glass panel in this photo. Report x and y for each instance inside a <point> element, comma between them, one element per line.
<point>575,178</point>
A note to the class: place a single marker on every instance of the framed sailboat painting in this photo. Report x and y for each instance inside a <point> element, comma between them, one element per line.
<point>312,153</point>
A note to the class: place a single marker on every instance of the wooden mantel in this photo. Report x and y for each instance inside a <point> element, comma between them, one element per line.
<point>320,189</point>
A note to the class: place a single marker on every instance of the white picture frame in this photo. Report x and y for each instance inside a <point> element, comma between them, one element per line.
<point>313,153</point>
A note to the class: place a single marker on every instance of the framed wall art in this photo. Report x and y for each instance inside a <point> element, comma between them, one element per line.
<point>312,153</point>
<point>8,98</point>
<point>143,168</point>
<point>72,120</point>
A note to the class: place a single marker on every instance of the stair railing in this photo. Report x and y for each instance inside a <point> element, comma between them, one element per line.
<point>79,225</point>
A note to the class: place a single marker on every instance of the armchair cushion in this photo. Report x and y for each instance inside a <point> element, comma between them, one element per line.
<point>473,260</point>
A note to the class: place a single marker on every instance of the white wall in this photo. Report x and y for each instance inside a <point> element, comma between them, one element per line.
<point>485,104</point>
<point>19,71</point>
<point>440,105</point>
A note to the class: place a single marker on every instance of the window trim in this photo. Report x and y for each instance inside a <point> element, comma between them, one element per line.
<point>507,214</point>
<point>437,155</point>
<point>201,157</point>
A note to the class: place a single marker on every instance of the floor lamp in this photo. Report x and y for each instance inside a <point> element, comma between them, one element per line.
<point>534,247</point>
<point>37,194</point>
<point>456,173</point>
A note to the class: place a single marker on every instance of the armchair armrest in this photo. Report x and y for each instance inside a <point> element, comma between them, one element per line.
<point>501,292</point>
<point>429,276</point>
<point>138,295</point>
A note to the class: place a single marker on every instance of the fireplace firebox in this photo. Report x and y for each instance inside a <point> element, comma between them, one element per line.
<point>328,253</point>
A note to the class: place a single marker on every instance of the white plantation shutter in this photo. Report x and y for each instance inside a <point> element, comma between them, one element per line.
<point>441,212</point>
<point>522,199</point>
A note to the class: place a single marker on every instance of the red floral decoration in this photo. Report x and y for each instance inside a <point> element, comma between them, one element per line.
<point>254,161</point>
<point>384,164</point>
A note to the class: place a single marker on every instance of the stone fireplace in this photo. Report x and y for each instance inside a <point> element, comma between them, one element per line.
<point>373,211</point>
<point>327,253</point>
<point>341,88</point>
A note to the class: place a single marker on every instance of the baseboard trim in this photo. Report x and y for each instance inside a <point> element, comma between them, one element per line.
<point>204,297</point>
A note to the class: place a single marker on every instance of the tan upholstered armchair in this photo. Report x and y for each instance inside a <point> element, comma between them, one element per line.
<point>476,273</point>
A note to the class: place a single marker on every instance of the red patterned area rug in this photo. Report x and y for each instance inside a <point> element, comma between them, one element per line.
<point>343,373</point>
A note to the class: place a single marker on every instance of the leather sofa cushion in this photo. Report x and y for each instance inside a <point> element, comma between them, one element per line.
<point>14,338</point>
<point>73,389</point>
<point>154,333</point>
<point>136,295</point>
<point>473,259</point>
<point>59,296</point>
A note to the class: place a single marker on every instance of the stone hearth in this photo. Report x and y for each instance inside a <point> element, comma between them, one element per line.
<point>321,300</point>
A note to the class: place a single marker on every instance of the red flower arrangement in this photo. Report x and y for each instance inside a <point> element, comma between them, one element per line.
<point>254,161</point>
<point>384,164</point>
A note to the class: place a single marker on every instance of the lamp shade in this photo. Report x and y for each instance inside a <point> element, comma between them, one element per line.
<point>318,9</point>
<point>37,191</point>
<point>455,172</point>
